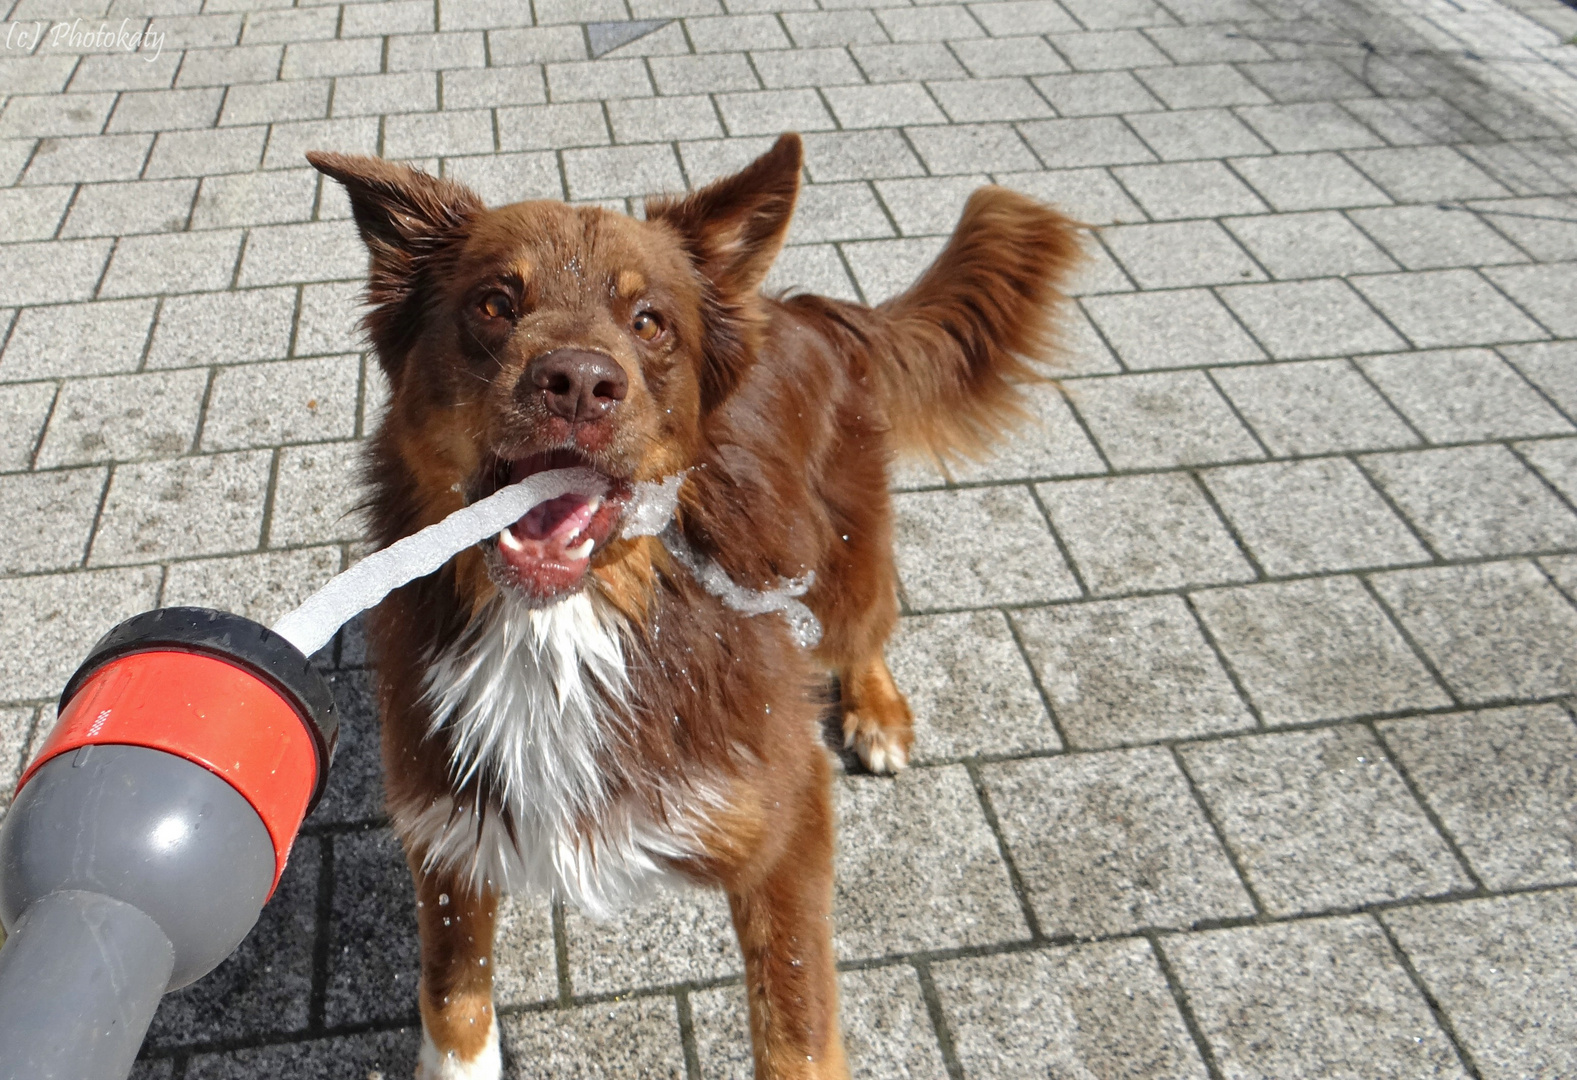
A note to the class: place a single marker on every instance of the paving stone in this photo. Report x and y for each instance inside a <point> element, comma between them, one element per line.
<point>885,268</point>
<point>1088,195</point>
<point>1182,328</point>
<point>1122,672</point>
<point>917,867</point>
<point>1188,190</point>
<point>288,143</point>
<point>621,171</point>
<point>1313,407</point>
<point>1432,238</point>
<point>639,1037</point>
<point>309,251</point>
<point>124,418</point>
<point>1096,93</point>
<point>1049,443</point>
<point>824,67</point>
<point>1556,460</point>
<point>813,269</point>
<point>126,208</point>
<point>536,45</point>
<point>1475,500</point>
<point>1463,395</point>
<point>1424,174</point>
<point>166,110</point>
<point>330,319</point>
<point>373,956</point>
<point>812,28</point>
<point>177,262</point>
<point>1108,50</point>
<point>1502,784</point>
<point>1195,86</point>
<point>1498,967</point>
<point>1207,44</point>
<point>767,112</point>
<point>976,547</point>
<point>383,1053</point>
<point>676,935</point>
<point>552,127</point>
<point>1111,843</point>
<point>1162,419</point>
<point>1309,182</point>
<point>76,114</point>
<point>969,688</point>
<point>16,728</point>
<point>1419,122</point>
<point>589,80</point>
<point>1271,506</point>
<point>252,324</point>
<point>23,409</point>
<point>262,103</point>
<point>1296,320</point>
<point>859,155</point>
<point>313,501</point>
<point>1541,227</point>
<point>885,105</point>
<point>1316,650</point>
<point>1319,998</point>
<point>418,135</point>
<point>481,88</point>
<point>32,213</point>
<point>837,212</point>
<point>189,506</point>
<point>1494,630</point>
<point>14,157</point>
<point>289,25</point>
<point>62,615</point>
<point>1099,14</point>
<point>1138,533</point>
<point>968,148</point>
<point>281,403</point>
<point>1320,244</point>
<point>1097,272</point>
<point>1179,254</point>
<point>928,206</point>
<point>90,158</point>
<point>82,339</point>
<point>1094,1010</point>
<point>524,968</point>
<point>990,99</point>
<point>435,52</point>
<point>261,587</point>
<point>397,92</point>
<point>1023,17</point>
<point>48,518</point>
<point>265,986</point>
<point>1197,133</point>
<point>702,74</point>
<point>663,119</point>
<point>1314,79</point>
<point>205,153</point>
<point>1320,819</point>
<point>942,22</point>
<point>1093,140</point>
<point>1307,127</point>
<point>1552,367</point>
<point>1000,56</point>
<point>1544,291</point>
<point>508,178</point>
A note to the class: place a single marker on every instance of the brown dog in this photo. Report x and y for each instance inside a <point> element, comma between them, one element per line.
<point>580,709</point>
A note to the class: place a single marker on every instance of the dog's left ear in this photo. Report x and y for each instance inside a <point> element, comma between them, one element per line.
<point>406,218</point>
<point>733,230</point>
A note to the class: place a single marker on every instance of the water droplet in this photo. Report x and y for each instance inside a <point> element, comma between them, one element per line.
<point>446,920</point>
<point>443,899</point>
<point>481,961</point>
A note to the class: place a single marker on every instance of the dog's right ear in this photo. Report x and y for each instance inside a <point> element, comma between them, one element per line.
<point>408,221</point>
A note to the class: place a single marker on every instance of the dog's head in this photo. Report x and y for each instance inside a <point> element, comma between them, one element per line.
<point>539,335</point>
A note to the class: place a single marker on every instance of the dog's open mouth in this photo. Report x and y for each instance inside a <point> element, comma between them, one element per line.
<point>548,551</point>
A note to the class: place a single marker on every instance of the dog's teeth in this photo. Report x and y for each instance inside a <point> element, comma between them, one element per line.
<point>507,539</point>
<point>582,549</point>
<point>595,504</point>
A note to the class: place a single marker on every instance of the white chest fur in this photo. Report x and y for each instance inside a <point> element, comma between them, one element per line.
<point>531,700</point>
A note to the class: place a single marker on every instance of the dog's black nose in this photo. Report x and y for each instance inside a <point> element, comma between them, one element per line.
<point>574,383</point>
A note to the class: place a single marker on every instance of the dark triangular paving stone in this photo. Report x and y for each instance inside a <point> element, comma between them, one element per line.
<point>607,36</point>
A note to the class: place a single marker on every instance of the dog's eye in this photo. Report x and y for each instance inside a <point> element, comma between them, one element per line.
<point>498,305</point>
<point>647,325</point>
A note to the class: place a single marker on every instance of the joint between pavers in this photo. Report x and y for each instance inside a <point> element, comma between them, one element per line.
<point>1412,642</point>
<point>1261,914</point>
<point>1429,811</point>
<point>940,1029</point>
<point>692,1053</point>
<point>566,989</point>
<point>1062,547</point>
<point>1174,986</point>
<point>49,416</point>
<point>1004,852</point>
<point>1224,660</point>
<point>1040,688</point>
<point>1226,523</point>
<point>98,517</point>
<point>202,413</point>
<point>1442,1019</point>
<point>1232,407</point>
<point>270,498</point>
<point>1391,504</point>
<point>1549,485</point>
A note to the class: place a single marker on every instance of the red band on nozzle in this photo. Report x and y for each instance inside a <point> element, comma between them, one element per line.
<point>208,711</point>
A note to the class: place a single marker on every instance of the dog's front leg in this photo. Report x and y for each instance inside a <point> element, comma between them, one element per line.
<point>784,922</point>
<point>459,1029</point>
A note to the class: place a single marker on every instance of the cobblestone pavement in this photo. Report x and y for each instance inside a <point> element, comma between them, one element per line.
<point>1245,738</point>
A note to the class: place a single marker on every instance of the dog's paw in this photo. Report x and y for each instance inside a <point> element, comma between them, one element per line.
<point>884,751</point>
<point>434,1064</point>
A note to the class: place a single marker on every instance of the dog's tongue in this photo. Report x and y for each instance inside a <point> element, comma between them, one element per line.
<point>552,532</point>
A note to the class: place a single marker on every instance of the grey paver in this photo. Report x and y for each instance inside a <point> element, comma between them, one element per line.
<point>309,251</point>
<point>1097,1010</point>
<point>374,910</point>
<point>999,56</point>
<point>897,892</point>
<point>1321,244</point>
<point>1188,190</point>
<point>1320,820</point>
<point>996,549</point>
<point>252,324</point>
<point>1542,227</point>
<point>1432,238</point>
<point>1297,320</point>
<point>260,103</point>
<point>1139,533</point>
<point>1316,650</point>
<point>1196,133</point>
<point>968,101</point>
<point>606,171</point>
<point>1121,672</point>
<point>32,213</point>
<point>1271,506</point>
<point>632,1038</point>
<point>1113,842</point>
<point>1552,367</point>
<point>885,268</point>
<point>805,67</point>
<point>547,127</point>
<point>676,935</point>
<point>313,504</point>
<point>124,418</point>
<point>1161,419</point>
<point>1474,500</point>
<point>480,88</point>
<point>23,409</point>
<point>175,262</point>
<point>1309,181</point>
<point>967,148</point>
<point>884,105</point>
<point>166,110</point>
<point>1096,92</point>
<point>968,686</point>
<point>1181,328</point>
<point>84,339</point>
<point>1493,630</point>
<point>1093,140</point>
<point>1498,967</point>
<point>188,506</point>
<point>1181,253</point>
<point>1313,407</point>
<point>1193,86</point>
<point>1319,998</point>
<point>126,208</point>
<point>203,153</point>
<point>65,614</point>
<point>51,272</point>
<point>1463,395</point>
<point>1426,174</point>
<point>394,1051</point>
<point>1556,461</point>
<point>288,142</point>
<point>285,402</point>
<point>1108,50</point>
<point>1502,784</point>
<point>47,518</point>
<point>814,268</point>
<point>92,157</point>
<point>859,155</point>
<point>1089,195</point>
<point>1023,17</point>
<point>1544,291</point>
<point>261,587</point>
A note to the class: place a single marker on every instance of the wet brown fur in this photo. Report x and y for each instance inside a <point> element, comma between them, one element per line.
<point>787,412</point>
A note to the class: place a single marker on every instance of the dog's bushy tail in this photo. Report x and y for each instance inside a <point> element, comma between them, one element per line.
<point>956,345</point>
